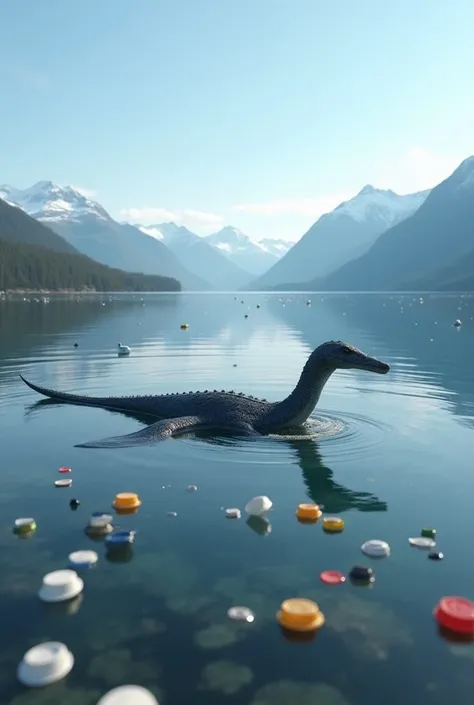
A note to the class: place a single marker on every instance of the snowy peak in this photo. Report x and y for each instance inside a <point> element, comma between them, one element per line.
<point>171,234</point>
<point>47,201</point>
<point>379,206</point>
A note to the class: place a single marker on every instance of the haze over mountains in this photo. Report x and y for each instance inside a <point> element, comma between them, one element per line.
<point>378,240</point>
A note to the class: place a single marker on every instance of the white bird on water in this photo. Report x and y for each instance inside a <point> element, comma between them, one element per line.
<point>123,349</point>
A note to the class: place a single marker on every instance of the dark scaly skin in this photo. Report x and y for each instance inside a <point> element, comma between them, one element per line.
<point>237,413</point>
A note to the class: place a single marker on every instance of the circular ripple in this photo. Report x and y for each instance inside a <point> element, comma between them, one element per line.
<point>335,436</point>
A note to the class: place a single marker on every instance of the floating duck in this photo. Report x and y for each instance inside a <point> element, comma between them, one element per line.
<point>123,349</point>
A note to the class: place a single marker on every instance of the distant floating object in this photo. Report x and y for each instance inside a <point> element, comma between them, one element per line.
<point>241,614</point>
<point>258,506</point>
<point>24,525</point>
<point>184,326</point>
<point>76,345</point>
<point>375,548</point>
<point>457,323</point>
<point>126,501</point>
<point>233,513</point>
<point>63,483</point>
<point>422,542</point>
<point>74,503</point>
<point>361,575</point>
<point>333,525</point>
<point>307,512</point>
<point>123,349</point>
<point>83,559</point>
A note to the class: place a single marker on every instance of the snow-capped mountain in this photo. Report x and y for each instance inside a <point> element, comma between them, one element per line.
<point>198,253</point>
<point>49,202</point>
<point>253,257</point>
<point>342,235</point>
<point>87,226</point>
<point>431,247</point>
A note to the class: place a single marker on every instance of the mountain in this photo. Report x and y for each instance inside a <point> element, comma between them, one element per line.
<point>33,257</point>
<point>255,258</point>
<point>342,235</point>
<point>88,227</point>
<point>16,226</point>
<point>198,254</point>
<point>438,233</point>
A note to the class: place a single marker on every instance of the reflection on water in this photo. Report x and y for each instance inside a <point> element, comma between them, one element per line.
<point>394,457</point>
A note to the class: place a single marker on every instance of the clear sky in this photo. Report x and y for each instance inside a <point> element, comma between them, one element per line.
<point>258,113</point>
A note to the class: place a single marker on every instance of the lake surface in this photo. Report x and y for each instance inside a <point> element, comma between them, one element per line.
<point>402,460</point>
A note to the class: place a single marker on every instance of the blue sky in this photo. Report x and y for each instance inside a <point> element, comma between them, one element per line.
<point>259,113</point>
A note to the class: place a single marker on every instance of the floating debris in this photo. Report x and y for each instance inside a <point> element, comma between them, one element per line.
<point>361,575</point>
<point>123,350</point>
<point>64,470</point>
<point>308,512</point>
<point>191,488</point>
<point>83,559</point>
<point>74,503</point>
<point>436,556</point>
<point>45,663</point>
<point>60,585</point>
<point>120,538</point>
<point>172,514</point>
<point>300,615</point>
<point>333,525</point>
<point>126,501</point>
<point>241,614</point>
<point>128,695</point>
<point>63,483</point>
<point>258,506</point>
<point>233,513</point>
<point>24,525</point>
<point>332,577</point>
<point>455,614</point>
<point>184,326</point>
<point>422,542</point>
<point>428,533</point>
<point>376,548</point>
<point>457,323</point>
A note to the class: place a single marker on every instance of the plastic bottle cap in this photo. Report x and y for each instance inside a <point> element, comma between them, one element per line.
<point>300,614</point>
<point>428,533</point>
<point>63,483</point>
<point>422,542</point>
<point>333,524</point>
<point>62,470</point>
<point>241,614</point>
<point>332,577</point>
<point>375,548</point>
<point>456,613</point>
<point>83,558</point>
<point>308,512</point>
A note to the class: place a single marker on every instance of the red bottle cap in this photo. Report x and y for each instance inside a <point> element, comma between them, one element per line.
<point>332,577</point>
<point>456,614</point>
<point>64,470</point>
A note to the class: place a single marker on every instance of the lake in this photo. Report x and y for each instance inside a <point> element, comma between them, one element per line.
<point>157,616</point>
